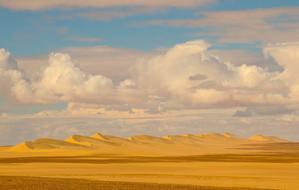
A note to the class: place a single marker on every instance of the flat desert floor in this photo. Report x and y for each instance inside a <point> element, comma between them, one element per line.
<point>235,164</point>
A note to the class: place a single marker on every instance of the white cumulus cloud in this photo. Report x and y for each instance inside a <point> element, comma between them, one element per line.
<point>185,76</point>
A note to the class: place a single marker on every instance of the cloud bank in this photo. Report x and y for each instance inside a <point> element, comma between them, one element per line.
<point>23,128</point>
<point>187,76</point>
<point>180,90</point>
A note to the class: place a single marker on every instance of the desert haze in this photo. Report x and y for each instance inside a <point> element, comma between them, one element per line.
<point>207,161</point>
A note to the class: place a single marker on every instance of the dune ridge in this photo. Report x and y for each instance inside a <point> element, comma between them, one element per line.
<point>213,159</point>
<point>187,144</point>
<point>262,138</point>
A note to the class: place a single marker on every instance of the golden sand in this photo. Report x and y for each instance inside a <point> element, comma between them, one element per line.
<point>217,160</point>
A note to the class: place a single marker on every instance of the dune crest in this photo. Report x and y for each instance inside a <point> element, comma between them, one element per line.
<point>262,138</point>
<point>188,144</point>
<point>99,136</point>
<point>147,139</point>
<point>22,147</point>
<point>42,145</point>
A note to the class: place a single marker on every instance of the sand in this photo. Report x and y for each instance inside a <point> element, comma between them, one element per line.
<point>217,160</point>
<point>29,183</point>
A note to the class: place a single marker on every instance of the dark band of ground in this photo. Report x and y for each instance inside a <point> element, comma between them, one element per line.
<point>97,159</point>
<point>42,183</point>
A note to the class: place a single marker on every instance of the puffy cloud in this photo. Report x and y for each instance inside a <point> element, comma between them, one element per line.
<point>37,5</point>
<point>164,94</point>
<point>11,78</point>
<point>239,57</point>
<point>175,71</point>
<point>186,76</point>
<point>6,61</point>
<point>287,55</point>
<point>61,80</point>
<point>251,76</point>
<point>188,73</point>
<point>116,63</point>
<point>127,84</point>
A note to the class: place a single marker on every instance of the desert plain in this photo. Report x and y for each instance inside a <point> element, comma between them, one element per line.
<point>198,161</point>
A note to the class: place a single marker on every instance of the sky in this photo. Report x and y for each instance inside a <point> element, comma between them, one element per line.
<point>126,67</point>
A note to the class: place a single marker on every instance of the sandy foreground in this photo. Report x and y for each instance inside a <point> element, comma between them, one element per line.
<point>29,183</point>
<point>220,161</point>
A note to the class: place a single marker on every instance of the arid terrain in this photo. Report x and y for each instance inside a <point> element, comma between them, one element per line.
<point>208,161</point>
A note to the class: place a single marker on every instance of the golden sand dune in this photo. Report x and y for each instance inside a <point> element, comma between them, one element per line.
<point>184,139</point>
<point>146,139</point>
<point>110,139</point>
<point>212,143</point>
<point>44,144</point>
<point>220,137</point>
<point>88,141</point>
<point>212,161</point>
<point>262,138</point>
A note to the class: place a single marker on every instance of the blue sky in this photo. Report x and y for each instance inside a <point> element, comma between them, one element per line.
<point>27,33</point>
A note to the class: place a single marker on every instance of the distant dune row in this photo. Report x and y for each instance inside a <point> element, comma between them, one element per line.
<point>144,145</point>
<point>176,162</point>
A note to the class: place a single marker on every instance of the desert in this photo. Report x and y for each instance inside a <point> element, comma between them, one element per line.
<point>149,95</point>
<point>207,161</point>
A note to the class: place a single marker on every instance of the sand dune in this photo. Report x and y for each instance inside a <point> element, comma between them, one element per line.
<point>110,139</point>
<point>44,144</point>
<point>88,141</point>
<point>222,160</point>
<point>213,143</point>
<point>262,138</point>
<point>220,137</point>
<point>146,139</point>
